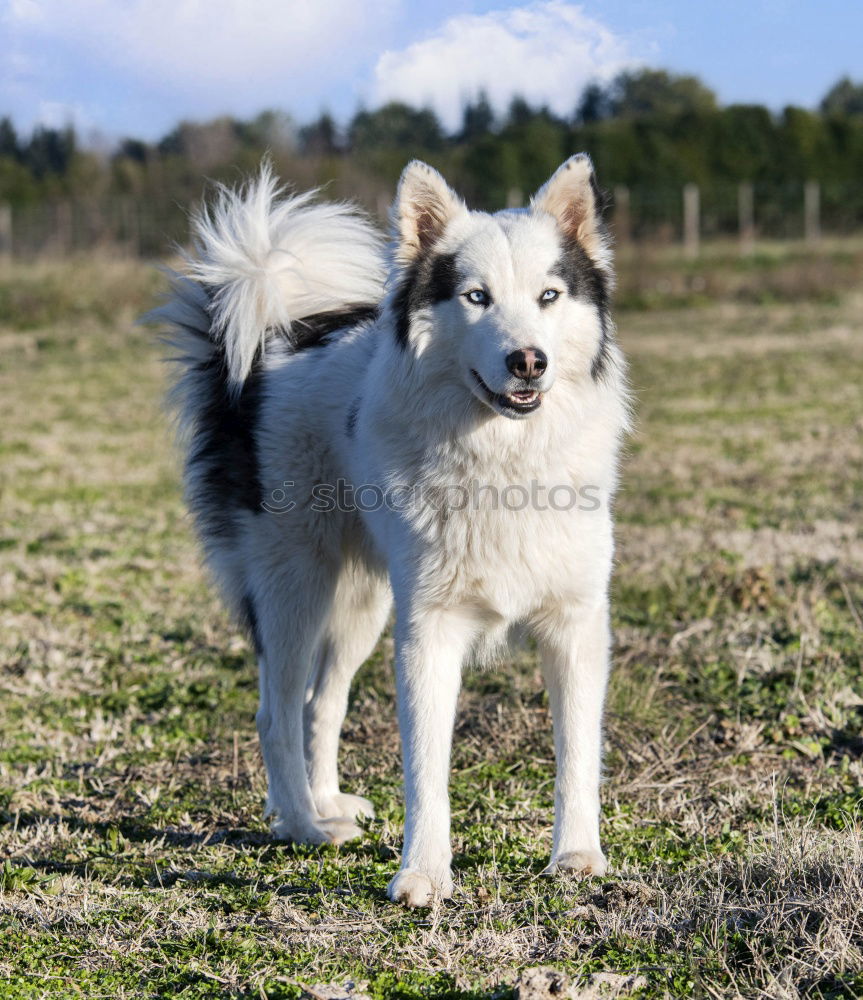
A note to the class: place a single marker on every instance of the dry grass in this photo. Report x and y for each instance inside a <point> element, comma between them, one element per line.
<point>135,859</point>
<point>775,272</point>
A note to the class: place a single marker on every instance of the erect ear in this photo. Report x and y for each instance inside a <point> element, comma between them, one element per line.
<point>424,206</point>
<point>572,197</point>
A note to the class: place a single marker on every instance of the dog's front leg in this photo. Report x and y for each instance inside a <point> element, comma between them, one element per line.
<point>575,654</point>
<point>429,656</point>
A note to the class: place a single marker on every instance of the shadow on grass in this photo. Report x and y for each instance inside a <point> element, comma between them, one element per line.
<point>107,859</point>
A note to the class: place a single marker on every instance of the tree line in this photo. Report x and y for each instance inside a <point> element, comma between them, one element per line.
<point>649,130</point>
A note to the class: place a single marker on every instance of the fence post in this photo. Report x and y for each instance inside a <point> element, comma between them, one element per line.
<point>746,217</point>
<point>514,198</point>
<point>63,227</point>
<point>129,229</point>
<point>383,208</point>
<point>5,232</point>
<point>812,212</point>
<point>691,221</point>
<point>622,218</point>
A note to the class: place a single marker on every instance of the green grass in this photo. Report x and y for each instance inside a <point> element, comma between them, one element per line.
<point>134,860</point>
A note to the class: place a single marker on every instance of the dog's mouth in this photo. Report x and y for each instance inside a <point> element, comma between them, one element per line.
<point>517,403</point>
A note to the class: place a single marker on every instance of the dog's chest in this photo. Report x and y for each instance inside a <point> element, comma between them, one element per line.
<point>511,539</point>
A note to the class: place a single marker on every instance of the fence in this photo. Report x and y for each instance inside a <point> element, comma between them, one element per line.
<point>128,226</point>
<point>748,212</point>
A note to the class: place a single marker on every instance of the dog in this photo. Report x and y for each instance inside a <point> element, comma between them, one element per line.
<point>434,423</point>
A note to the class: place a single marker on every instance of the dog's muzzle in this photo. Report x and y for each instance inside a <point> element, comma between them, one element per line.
<point>516,402</point>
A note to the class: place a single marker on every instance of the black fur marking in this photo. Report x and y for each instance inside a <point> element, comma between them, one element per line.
<point>601,198</point>
<point>584,279</point>
<point>223,468</point>
<point>223,461</point>
<point>351,420</point>
<point>427,281</point>
<point>223,477</point>
<point>250,621</point>
<point>312,331</point>
<point>602,358</point>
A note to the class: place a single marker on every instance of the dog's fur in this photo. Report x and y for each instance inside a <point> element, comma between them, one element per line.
<point>308,357</point>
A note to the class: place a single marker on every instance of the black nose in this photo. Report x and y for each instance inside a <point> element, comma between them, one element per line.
<point>529,363</point>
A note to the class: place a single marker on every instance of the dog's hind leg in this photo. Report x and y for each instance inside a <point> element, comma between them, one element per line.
<point>359,612</point>
<point>289,609</point>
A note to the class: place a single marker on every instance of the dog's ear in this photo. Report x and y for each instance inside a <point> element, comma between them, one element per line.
<point>423,207</point>
<point>571,195</point>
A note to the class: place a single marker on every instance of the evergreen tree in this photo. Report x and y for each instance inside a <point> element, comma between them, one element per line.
<point>656,93</point>
<point>321,137</point>
<point>49,151</point>
<point>477,119</point>
<point>595,104</point>
<point>396,125</point>
<point>9,139</point>
<point>843,98</point>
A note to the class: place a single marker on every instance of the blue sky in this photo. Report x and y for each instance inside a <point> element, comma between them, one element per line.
<point>135,67</point>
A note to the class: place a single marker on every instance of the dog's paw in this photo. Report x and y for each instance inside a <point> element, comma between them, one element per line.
<point>347,806</point>
<point>581,863</point>
<point>334,830</point>
<point>415,889</point>
<point>339,829</point>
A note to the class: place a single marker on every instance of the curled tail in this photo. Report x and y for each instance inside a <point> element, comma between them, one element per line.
<point>263,264</point>
<point>266,267</point>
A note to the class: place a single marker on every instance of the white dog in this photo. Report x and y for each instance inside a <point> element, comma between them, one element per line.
<point>441,427</point>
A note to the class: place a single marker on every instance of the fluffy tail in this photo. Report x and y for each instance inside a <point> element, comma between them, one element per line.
<point>265,266</point>
<point>263,262</point>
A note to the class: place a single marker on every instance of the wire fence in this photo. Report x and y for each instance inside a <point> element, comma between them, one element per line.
<point>128,226</point>
<point>151,227</point>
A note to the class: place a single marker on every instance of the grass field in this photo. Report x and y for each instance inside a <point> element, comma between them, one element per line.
<point>133,857</point>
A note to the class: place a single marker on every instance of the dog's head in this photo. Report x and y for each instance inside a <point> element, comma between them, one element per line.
<point>505,304</point>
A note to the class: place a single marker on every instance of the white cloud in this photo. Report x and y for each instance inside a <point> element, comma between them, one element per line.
<point>139,65</point>
<point>545,52</point>
<point>202,54</point>
<point>212,42</point>
<point>59,114</point>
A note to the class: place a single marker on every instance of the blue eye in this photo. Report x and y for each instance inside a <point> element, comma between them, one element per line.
<point>478,297</point>
<point>549,295</point>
